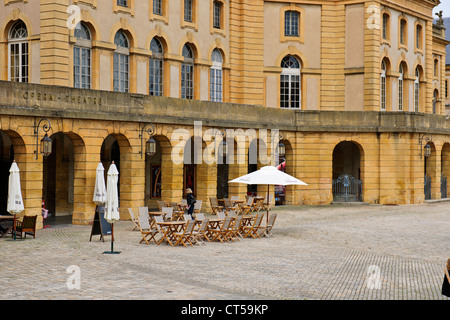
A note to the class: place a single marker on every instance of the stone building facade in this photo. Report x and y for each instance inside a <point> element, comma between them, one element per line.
<point>355,89</point>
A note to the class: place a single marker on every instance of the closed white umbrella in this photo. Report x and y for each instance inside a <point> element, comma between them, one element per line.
<point>271,176</point>
<point>112,195</point>
<point>112,200</point>
<point>15,201</point>
<point>100,188</point>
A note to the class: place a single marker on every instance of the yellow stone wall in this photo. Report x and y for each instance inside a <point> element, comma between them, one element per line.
<point>334,62</point>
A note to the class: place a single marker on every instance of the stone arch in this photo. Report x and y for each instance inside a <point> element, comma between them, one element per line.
<point>348,171</point>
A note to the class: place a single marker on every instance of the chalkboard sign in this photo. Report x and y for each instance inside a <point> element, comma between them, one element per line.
<point>100,226</point>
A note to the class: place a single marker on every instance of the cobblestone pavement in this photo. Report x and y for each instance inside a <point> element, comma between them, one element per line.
<point>331,252</point>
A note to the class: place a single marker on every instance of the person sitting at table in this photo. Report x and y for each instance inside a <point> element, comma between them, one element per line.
<point>190,202</point>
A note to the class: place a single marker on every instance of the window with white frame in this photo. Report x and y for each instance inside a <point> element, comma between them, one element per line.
<point>383,87</point>
<point>121,63</point>
<point>400,89</point>
<point>122,3</point>
<point>18,53</point>
<point>82,57</point>
<point>187,73</point>
<point>417,91</point>
<point>290,93</point>
<point>188,9</point>
<point>216,76</point>
<point>291,23</point>
<point>156,68</point>
<point>217,14</point>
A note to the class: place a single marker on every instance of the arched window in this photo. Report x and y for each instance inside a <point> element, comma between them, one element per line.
<point>18,53</point>
<point>417,91</point>
<point>216,76</point>
<point>82,57</point>
<point>187,73</point>
<point>400,89</point>
<point>121,63</point>
<point>290,95</point>
<point>156,68</point>
<point>383,86</point>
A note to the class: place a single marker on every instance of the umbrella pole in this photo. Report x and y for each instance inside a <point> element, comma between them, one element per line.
<point>14,227</point>
<point>112,242</point>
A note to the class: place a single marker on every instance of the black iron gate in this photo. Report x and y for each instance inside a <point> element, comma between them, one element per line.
<point>427,187</point>
<point>443,187</point>
<point>346,188</point>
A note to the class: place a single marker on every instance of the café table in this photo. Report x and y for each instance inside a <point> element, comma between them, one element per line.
<point>238,203</point>
<point>213,223</point>
<point>171,227</point>
<point>258,202</point>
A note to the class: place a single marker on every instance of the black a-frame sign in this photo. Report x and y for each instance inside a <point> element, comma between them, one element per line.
<point>100,226</point>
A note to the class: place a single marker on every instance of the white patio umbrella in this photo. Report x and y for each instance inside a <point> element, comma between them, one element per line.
<point>271,176</point>
<point>100,188</point>
<point>112,200</point>
<point>15,201</point>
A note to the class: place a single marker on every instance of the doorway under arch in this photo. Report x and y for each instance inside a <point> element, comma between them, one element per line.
<point>347,180</point>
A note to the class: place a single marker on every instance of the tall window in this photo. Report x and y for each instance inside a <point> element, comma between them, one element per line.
<point>291,23</point>
<point>418,37</point>
<point>188,10</point>
<point>290,83</point>
<point>18,53</point>
<point>187,73</point>
<point>216,76</point>
<point>122,3</point>
<point>383,86</point>
<point>436,67</point>
<point>217,14</point>
<point>417,91</point>
<point>156,68</point>
<point>385,26</point>
<point>435,99</point>
<point>403,30</point>
<point>400,89</point>
<point>82,58</point>
<point>121,63</point>
<point>157,7</point>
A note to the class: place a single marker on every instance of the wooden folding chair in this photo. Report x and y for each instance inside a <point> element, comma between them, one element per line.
<point>222,233</point>
<point>148,233</point>
<point>201,233</point>
<point>236,229</point>
<point>185,236</point>
<point>221,215</point>
<point>266,205</point>
<point>253,229</point>
<point>231,213</point>
<point>134,220</point>
<point>161,204</point>
<point>214,205</point>
<point>198,206</point>
<point>265,231</point>
<point>27,226</point>
<point>228,205</point>
<point>143,211</point>
<point>248,207</point>
<point>169,212</point>
<point>200,217</point>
